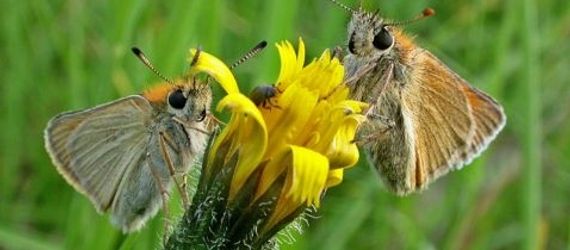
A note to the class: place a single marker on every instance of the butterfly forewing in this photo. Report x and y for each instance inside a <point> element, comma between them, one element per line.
<point>489,119</point>
<point>94,148</point>
<point>487,114</point>
<point>442,121</point>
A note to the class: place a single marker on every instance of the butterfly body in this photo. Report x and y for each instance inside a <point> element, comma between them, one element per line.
<point>438,122</point>
<point>119,154</point>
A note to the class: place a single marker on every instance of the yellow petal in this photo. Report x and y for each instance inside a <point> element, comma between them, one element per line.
<point>335,177</point>
<point>285,124</point>
<point>248,135</point>
<point>286,55</point>
<point>301,55</point>
<point>278,162</point>
<point>352,106</point>
<point>215,68</point>
<point>291,62</point>
<point>343,152</point>
<point>323,75</point>
<point>306,180</point>
<point>307,173</point>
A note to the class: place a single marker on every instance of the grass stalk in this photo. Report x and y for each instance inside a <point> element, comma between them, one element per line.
<point>532,142</point>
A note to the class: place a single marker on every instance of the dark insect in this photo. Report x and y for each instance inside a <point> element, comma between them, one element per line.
<point>261,95</point>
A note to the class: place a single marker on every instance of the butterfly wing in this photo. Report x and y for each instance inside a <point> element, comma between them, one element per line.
<point>93,149</point>
<point>452,122</point>
<point>489,120</point>
<point>440,122</point>
<point>487,114</point>
<point>139,195</point>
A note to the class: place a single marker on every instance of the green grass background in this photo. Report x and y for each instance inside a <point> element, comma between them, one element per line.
<point>61,55</point>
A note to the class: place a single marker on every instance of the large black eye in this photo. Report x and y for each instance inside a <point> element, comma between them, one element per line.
<point>177,99</point>
<point>383,40</point>
<point>351,44</point>
<point>202,115</point>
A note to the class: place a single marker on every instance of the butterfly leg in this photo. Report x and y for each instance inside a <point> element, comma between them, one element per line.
<point>384,120</point>
<point>210,124</point>
<point>358,74</point>
<point>338,52</point>
<point>214,120</point>
<point>185,181</point>
<point>170,165</point>
<point>269,104</point>
<point>349,81</point>
<point>373,129</point>
<point>379,89</point>
<point>376,125</point>
<point>164,195</point>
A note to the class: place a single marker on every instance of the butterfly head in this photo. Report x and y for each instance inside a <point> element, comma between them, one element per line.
<point>189,101</point>
<point>369,35</point>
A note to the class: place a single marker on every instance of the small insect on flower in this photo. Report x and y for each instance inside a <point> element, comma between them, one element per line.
<point>424,119</point>
<point>125,154</point>
<point>262,95</point>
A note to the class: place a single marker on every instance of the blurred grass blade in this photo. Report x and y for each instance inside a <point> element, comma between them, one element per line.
<point>19,240</point>
<point>532,138</point>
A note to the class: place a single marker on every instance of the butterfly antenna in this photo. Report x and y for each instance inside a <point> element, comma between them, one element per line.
<point>141,56</point>
<point>253,52</point>
<point>427,12</point>
<point>348,9</point>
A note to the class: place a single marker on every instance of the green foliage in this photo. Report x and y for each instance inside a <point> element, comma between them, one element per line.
<point>61,55</point>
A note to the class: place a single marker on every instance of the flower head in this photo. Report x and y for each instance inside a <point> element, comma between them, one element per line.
<point>271,162</point>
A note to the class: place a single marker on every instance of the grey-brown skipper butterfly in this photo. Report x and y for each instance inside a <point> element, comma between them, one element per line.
<point>424,119</point>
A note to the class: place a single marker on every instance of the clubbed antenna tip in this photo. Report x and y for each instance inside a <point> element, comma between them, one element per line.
<point>140,55</point>
<point>253,52</point>
<point>428,12</point>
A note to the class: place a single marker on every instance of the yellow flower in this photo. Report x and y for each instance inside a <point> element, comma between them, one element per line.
<point>287,153</point>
